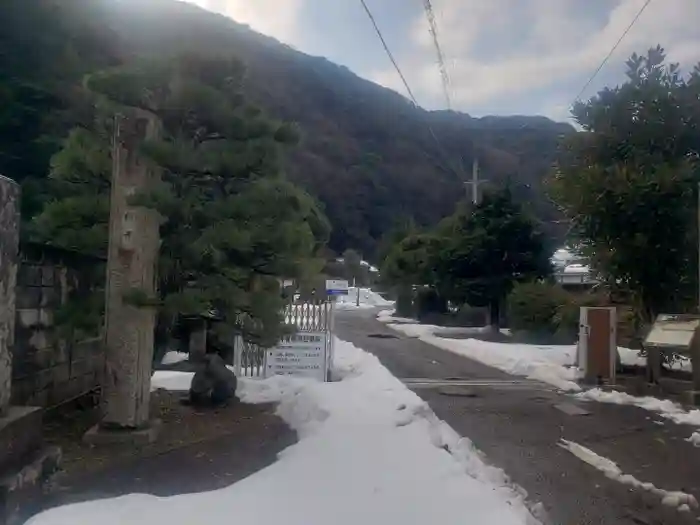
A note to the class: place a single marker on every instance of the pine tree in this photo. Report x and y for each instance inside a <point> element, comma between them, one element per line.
<point>486,251</point>
<point>233,225</point>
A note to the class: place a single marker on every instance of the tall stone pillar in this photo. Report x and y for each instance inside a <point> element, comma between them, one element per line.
<point>132,258</point>
<point>9,241</point>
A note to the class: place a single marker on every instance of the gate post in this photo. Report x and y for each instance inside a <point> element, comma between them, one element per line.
<point>597,347</point>
<point>330,331</point>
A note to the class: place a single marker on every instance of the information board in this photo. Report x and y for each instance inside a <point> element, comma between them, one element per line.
<point>301,355</point>
<point>336,287</point>
<point>673,331</point>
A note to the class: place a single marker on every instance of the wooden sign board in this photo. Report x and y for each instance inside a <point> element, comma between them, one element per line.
<point>674,331</point>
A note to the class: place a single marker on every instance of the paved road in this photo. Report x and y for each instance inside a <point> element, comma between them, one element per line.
<point>518,429</point>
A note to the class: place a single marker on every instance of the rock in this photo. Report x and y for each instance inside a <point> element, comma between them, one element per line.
<point>213,384</point>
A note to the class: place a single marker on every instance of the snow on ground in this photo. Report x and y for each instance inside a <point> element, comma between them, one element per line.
<point>171,380</point>
<point>369,451</point>
<point>387,316</point>
<point>677,499</point>
<point>552,364</point>
<point>547,363</point>
<point>368,299</point>
<point>172,357</point>
<point>664,407</point>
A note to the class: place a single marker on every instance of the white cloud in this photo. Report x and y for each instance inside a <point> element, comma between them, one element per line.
<point>504,49</point>
<point>276,18</point>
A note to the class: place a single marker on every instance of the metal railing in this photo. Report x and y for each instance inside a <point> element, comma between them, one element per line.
<point>316,316</point>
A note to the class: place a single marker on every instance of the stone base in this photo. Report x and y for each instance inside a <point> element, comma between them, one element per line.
<point>99,435</point>
<point>20,435</point>
<point>20,489</point>
<point>693,397</point>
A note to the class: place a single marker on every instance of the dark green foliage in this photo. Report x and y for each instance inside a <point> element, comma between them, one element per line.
<point>428,301</point>
<point>76,215</point>
<point>232,225</point>
<point>413,260</point>
<point>487,251</point>
<point>40,82</point>
<point>568,315</point>
<point>365,152</point>
<point>404,302</point>
<point>535,306</point>
<point>474,256</point>
<point>629,183</point>
<point>353,270</point>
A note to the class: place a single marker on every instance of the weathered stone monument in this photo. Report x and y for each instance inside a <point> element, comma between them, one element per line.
<point>9,245</point>
<point>131,268</point>
<point>25,465</point>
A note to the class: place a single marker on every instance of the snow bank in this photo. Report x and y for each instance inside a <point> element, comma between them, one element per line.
<point>547,363</point>
<point>694,439</point>
<point>551,364</point>
<point>368,299</point>
<point>171,380</point>
<point>172,357</point>
<point>677,499</point>
<point>387,316</point>
<point>664,407</point>
<point>370,451</point>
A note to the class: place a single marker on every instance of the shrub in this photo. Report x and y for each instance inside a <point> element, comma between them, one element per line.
<point>535,307</point>
<point>428,301</point>
<point>404,302</point>
<point>472,316</point>
<point>568,314</point>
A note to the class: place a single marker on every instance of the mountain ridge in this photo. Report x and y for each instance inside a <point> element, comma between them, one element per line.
<point>367,152</point>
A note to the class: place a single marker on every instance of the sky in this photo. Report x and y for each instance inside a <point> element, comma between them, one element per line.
<point>503,57</point>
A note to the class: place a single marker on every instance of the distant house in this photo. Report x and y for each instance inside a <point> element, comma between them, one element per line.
<point>370,268</point>
<point>570,269</point>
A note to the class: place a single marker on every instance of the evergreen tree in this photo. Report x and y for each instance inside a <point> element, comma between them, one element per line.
<point>629,183</point>
<point>233,226</point>
<point>485,252</point>
<point>475,256</point>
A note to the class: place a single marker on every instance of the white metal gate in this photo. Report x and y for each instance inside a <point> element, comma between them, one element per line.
<point>316,316</point>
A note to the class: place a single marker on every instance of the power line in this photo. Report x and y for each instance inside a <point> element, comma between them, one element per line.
<point>619,41</point>
<point>408,88</point>
<point>388,51</point>
<point>444,75</point>
<point>430,15</point>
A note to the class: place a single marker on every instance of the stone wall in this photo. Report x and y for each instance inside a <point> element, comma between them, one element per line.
<point>54,361</point>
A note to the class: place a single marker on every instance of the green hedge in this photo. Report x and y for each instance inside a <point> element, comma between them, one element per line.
<point>404,302</point>
<point>545,309</point>
<point>428,301</point>
<point>535,307</point>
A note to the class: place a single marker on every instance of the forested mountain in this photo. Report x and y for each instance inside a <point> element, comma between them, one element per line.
<point>366,154</point>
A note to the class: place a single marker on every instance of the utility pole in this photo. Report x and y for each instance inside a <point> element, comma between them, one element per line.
<point>474,183</point>
<point>131,266</point>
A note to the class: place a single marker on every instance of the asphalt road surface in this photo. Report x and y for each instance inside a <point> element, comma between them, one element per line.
<point>518,423</point>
